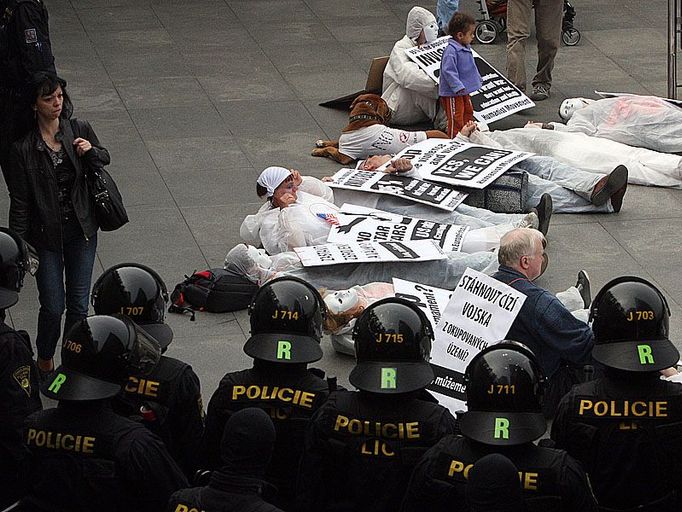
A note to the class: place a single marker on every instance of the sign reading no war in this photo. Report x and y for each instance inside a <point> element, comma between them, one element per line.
<point>368,252</point>
<point>360,224</point>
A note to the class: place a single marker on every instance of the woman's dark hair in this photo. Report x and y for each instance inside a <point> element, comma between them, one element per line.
<point>261,190</point>
<point>460,22</point>
<point>44,84</point>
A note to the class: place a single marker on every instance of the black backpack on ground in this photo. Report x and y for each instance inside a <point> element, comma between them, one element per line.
<point>215,290</point>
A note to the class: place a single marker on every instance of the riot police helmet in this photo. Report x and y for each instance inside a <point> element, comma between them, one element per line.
<point>136,291</point>
<point>14,263</point>
<point>630,321</point>
<point>504,389</point>
<point>286,317</point>
<point>98,355</point>
<point>393,340</point>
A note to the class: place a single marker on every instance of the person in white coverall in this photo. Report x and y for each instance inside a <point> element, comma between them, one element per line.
<point>299,218</point>
<point>407,89</point>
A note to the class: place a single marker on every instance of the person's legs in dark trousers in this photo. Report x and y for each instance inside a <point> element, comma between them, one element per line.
<point>548,17</point>
<point>73,265</point>
<point>79,258</point>
<point>518,31</point>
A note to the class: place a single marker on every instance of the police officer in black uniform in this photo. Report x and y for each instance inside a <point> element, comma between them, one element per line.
<point>168,400</point>
<point>238,486</point>
<point>286,327</point>
<point>84,456</point>
<point>362,446</point>
<point>24,50</point>
<point>504,386</point>
<point>626,428</point>
<point>18,375</point>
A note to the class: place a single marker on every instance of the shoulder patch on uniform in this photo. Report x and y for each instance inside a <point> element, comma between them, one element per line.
<point>30,36</point>
<point>23,377</point>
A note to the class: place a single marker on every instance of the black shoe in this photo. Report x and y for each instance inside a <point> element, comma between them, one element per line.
<point>613,184</point>
<point>44,375</point>
<point>544,212</point>
<point>583,286</point>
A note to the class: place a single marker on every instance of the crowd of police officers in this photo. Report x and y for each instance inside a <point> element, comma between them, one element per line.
<point>129,431</point>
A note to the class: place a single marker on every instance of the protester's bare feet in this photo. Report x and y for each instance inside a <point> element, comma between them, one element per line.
<point>468,128</point>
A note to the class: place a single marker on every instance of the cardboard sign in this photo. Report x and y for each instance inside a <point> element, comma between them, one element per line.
<point>413,189</point>
<point>368,252</point>
<point>459,163</point>
<point>480,313</point>
<point>496,99</point>
<point>360,224</point>
<point>429,299</point>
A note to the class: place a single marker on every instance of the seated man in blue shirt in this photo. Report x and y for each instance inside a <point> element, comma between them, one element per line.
<point>561,342</point>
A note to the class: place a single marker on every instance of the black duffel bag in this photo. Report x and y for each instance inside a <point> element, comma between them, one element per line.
<point>215,290</point>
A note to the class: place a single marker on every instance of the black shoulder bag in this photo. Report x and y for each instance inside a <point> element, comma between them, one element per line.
<point>108,203</point>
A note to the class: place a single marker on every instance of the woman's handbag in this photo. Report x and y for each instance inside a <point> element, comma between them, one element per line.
<point>108,203</point>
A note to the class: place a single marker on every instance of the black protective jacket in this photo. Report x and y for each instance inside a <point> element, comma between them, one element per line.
<point>290,394</point>
<point>551,479</point>
<point>18,399</point>
<point>34,208</point>
<point>84,457</point>
<point>361,448</point>
<point>171,397</point>
<point>627,433</point>
<point>28,42</point>
<point>224,493</point>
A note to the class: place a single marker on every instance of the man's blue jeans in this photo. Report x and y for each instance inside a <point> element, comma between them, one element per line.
<point>71,267</point>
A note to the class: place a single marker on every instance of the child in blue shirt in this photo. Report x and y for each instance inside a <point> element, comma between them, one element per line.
<point>459,76</point>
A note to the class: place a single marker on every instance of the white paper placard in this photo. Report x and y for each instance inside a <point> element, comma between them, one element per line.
<point>429,299</point>
<point>360,224</point>
<point>459,163</point>
<point>480,313</point>
<point>444,197</point>
<point>368,252</point>
<point>496,99</point>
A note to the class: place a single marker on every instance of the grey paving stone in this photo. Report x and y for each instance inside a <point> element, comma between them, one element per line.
<point>161,92</point>
<point>181,156</point>
<point>254,117</point>
<point>213,187</point>
<point>175,123</point>
<point>254,12</point>
<point>262,84</point>
<point>215,61</point>
<point>119,18</point>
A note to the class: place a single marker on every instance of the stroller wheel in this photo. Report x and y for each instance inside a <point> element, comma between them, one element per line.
<point>570,37</point>
<point>486,32</point>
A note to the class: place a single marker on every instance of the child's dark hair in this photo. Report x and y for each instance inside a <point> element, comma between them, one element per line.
<point>460,22</point>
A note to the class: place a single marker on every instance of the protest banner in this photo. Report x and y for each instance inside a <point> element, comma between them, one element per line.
<point>603,94</point>
<point>368,252</point>
<point>413,189</point>
<point>429,299</point>
<point>496,99</point>
<point>359,224</point>
<point>480,313</point>
<point>460,163</point>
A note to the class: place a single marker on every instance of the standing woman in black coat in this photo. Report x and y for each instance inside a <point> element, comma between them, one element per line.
<point>51,209</point>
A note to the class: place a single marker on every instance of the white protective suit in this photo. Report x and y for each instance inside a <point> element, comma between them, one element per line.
<point>595,154</point>
<point>640,121</point>
<point>442,273</point>
<point>408,91</point>
<point>303,223</point>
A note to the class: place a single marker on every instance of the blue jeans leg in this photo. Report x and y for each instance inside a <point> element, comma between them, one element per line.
<point>71,266</point>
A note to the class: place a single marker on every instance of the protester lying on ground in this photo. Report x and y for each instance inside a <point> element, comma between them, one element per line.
<point>255,265</point>
<point>292,218</point>
<point>572,190</point>
<point>595,154</point>
<point>407,89</point>
<point>641,121</point>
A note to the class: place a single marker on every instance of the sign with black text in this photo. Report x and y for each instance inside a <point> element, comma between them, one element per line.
<point>429,299</point>
<point>496,99</point>
<point>361,224</point>
<point>479,314</point>
<point>413,189</point>
<point>460,163</point>
<point>368,252</point>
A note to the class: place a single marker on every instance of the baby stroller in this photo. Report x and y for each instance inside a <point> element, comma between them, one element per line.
<point>494,22</point>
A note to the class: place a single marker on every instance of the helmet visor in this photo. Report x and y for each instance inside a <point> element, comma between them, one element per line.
<point>146,351</point>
